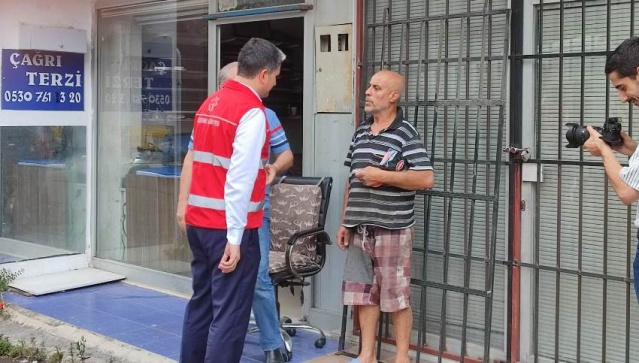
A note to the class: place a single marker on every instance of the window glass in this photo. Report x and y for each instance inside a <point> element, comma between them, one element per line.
<point>153,76</point>
<point>43,191</point>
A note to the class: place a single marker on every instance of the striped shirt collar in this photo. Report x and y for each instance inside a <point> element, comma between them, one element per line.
<point>399,119</point>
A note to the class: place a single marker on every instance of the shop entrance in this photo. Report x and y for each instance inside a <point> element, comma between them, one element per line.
<point>287,96</point>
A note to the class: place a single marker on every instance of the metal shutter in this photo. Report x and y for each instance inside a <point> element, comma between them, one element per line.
<point>389,45</point>
<point>571,190</point>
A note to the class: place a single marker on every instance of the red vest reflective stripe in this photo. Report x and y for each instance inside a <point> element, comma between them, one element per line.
<point>214,130</point>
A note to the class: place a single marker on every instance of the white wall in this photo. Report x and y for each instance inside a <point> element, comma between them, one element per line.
<point>332,134</point>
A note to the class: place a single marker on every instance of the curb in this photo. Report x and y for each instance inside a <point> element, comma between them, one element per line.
<point>95,342</point>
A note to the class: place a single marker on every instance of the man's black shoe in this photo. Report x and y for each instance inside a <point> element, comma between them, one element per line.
<point>274,356</point>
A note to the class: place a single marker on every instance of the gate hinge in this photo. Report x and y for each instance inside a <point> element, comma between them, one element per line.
<point>521,154</point>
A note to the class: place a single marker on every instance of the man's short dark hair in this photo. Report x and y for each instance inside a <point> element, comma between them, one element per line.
<point>625,59</point>
<point>258,54</point>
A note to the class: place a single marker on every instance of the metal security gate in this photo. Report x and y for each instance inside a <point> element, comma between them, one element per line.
<point>453,55</point>
<point>577,248</point>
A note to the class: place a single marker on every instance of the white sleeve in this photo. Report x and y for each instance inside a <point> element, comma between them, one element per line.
<point>630,174</point>
<point>240,179</point>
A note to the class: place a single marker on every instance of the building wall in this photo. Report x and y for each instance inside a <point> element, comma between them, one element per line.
<point>332,135</point>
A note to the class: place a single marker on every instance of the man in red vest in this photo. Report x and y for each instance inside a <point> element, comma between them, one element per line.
<point>224,211</point>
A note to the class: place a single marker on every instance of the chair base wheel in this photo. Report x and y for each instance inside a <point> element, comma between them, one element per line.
<point>320,343</point>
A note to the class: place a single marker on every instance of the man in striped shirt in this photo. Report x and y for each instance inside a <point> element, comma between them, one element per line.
<point>622,66</point>
<point>388,163</point>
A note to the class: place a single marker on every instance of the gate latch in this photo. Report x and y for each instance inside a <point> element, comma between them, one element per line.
<point>521,154</point>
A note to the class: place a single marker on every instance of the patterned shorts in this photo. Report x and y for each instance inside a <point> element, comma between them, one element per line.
<point>377,270</point>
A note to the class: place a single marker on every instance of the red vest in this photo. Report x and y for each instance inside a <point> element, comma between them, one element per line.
<point>214,131</point>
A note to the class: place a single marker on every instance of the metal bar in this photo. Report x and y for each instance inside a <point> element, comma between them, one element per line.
<point>419,76</point>
<point>380,324</point>
<point>497,187</point>
<point>538,85</point>
<point>565,55</point>
<point>581,180</point>
<point>629,236</point>
<point>444,60</point>
<point>460,256</point>
<point>567,162</point>
<point>401,52</point>
<point>450,195</point>
<point>435,115</point>
<point>455,103</point>
<point>427,199</point>
<point>463,161</point>
<point>487,173</point>
<point>487,303</point>
<point>559,182</point>
<point>514,208</point>
<point>578,273</point>
<point>604,306</point>
<point>342,336</point>
<point>359,56</point>
<point>381,59</point>
<point>445,287</point>
<point>407,68</point>
<point>455,118</point>
<point>374,41</point>
<point>446,16</point>
<point>259,11</point>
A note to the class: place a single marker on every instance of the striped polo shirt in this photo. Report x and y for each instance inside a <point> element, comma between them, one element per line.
<point>398,147</point>
<point>630,175</point>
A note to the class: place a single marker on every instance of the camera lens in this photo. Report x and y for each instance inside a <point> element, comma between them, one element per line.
<point>576,135</point>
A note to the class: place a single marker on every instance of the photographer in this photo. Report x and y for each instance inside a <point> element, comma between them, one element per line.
<point>621,68</point>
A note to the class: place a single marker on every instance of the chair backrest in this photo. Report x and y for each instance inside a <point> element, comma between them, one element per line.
<point>298,204</point>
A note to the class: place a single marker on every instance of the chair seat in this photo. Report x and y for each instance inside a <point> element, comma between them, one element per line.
<point>301,262</point>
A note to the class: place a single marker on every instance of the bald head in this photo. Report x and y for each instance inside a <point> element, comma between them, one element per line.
<point>393,81</point>
<point>227,72</point>
<point>384,92</point>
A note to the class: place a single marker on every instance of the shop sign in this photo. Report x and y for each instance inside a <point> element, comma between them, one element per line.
<point>40,80</point>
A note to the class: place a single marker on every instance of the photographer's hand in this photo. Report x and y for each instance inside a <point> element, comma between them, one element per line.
<point>629,145</point>
<point>595,143</point>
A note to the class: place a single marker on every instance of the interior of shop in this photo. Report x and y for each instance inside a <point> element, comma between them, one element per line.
<point>175,79</point>
<point>42,191</point>
<point>287,96</point>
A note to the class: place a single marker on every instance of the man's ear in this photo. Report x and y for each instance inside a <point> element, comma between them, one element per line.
<point>263,75</point>
<point>394,96</point>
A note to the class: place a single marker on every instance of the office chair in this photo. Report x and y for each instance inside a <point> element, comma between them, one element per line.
<point>298,240</point>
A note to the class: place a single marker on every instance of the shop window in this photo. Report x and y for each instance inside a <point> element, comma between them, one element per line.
<point>153,78</point>
<point>42,191</point>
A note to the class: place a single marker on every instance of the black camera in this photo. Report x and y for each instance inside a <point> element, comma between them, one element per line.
<point>610,133</point>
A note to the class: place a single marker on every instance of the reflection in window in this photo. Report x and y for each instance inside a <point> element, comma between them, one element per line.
<point>150,94</point>
<point>43,191</point>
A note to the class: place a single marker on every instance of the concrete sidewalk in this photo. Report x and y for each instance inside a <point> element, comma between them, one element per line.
<point>19,324</point>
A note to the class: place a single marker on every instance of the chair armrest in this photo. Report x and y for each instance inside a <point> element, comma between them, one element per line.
<point>322,240</point>
<point>309,232</point>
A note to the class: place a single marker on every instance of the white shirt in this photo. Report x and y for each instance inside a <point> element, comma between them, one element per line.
<point>630,175</point>
<point>240,178</point>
